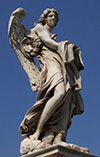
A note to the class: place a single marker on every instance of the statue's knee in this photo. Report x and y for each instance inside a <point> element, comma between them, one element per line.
<point>60,94</point>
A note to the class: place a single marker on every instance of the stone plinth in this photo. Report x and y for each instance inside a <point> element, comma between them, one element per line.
<point>58,151</point>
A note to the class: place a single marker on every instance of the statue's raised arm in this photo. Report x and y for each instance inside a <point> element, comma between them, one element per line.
<point>58,82</point>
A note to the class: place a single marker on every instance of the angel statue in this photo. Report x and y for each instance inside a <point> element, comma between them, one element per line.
<point>57,79</point>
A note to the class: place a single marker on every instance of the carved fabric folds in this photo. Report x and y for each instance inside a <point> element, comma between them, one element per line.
<point>55,68</point>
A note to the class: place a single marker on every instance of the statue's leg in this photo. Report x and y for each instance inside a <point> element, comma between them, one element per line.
<point>49,108</point>
<point>66,120</point>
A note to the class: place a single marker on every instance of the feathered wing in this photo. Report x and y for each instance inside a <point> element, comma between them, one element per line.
<point>22,43</point>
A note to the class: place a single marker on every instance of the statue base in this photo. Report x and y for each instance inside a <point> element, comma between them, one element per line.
<point>59,150</point>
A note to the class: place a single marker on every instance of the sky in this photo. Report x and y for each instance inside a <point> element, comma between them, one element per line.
<point>80,24</point>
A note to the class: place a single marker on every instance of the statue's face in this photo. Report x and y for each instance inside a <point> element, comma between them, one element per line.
<point>51,19</point>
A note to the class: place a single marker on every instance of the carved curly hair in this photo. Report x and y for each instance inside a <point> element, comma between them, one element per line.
<point>45,13</point>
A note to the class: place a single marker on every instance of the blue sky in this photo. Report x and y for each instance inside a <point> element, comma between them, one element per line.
<point>80,24</point>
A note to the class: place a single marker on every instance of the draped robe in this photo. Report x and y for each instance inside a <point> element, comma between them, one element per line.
<point>63,66</point>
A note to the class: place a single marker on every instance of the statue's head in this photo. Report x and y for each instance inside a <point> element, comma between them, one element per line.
<point>46,13</point>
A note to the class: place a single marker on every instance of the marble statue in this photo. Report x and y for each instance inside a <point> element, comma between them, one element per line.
<point>57,80</point>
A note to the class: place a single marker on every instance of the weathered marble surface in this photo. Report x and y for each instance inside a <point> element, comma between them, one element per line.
<point>29,145</point>
<point>58,81</point>
<point>59,150</point>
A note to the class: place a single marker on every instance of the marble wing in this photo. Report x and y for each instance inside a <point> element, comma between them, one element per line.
<point>23,44</point>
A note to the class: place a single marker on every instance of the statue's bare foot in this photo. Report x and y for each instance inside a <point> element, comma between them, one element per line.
<point>35,136</point>
<point>59,137</point>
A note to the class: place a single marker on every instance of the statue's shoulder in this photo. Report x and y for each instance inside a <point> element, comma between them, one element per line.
<point>38,27</point>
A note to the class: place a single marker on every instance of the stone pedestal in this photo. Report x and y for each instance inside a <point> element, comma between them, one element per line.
<point>58,151</point>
